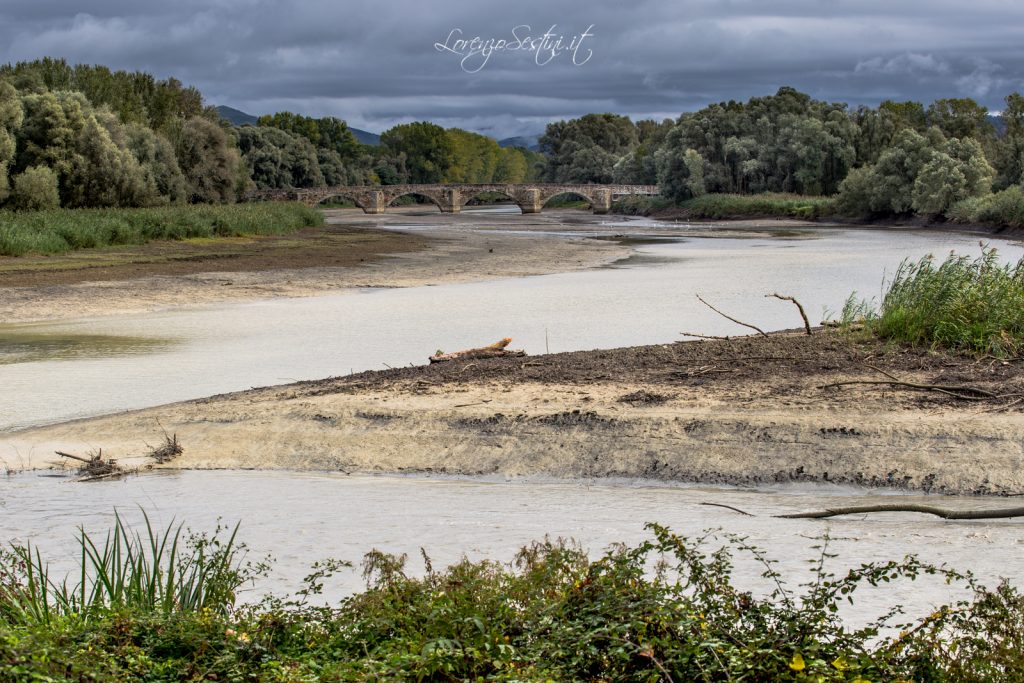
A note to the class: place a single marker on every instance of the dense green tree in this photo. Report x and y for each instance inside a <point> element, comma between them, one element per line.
<point>390,170</point>
<point>586,149</point>
<point>333,168</point>
<point>512,166</point>
<point>1009,150</point>
<point>35,189</point>
<point>136,97</point>
<point>427,148</point>
<point>11,116</point>
<point>474,157</point>
<point>960,118</point>
<point>324,133</point>
<point>155,155</point>
<point>104,174</point>
<point>50,131</point>
<point>209,160</point>
<point>278,159</point>
<point>923,173</point>
<point>680,171</point>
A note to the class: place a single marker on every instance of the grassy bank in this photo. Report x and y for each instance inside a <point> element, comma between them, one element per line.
<point>726,206</point>
<point>160,607</point>
<point>1003,209</point>
<point>64,230</point>
<point>965,304</point>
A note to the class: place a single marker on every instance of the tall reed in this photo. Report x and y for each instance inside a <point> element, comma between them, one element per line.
<point>963,303</point>
<point>155,571</point>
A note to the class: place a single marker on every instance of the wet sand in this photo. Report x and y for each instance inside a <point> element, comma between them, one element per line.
<point>750,410</point>
<point>355,250</point>
<point>744,411</point>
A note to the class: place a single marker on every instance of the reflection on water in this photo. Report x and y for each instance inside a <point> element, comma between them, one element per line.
<point>303,517</point>
<point>645,300</point>
<point>27,345</point>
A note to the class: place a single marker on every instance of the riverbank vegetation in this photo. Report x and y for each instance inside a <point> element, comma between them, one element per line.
<point>57,231</point>
<point>161,606</point>
<point>964,303</point>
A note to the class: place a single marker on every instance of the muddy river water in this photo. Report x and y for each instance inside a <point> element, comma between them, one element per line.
<point>54,372</point>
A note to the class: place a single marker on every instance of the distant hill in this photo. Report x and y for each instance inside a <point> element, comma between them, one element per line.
<point>365,137</point>
<point>530,142</point>
<point>998,123</point>
<point>240,118</point>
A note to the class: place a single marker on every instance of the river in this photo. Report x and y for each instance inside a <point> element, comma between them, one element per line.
<point>54,372</point>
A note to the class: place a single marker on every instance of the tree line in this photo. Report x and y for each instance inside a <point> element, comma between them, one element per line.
<point>897,159</point>
<point>87,136</point>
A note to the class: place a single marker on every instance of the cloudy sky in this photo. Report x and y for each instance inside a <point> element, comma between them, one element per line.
<point>391,61</point>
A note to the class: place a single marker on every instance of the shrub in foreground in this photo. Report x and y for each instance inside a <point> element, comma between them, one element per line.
<point>666,609</point>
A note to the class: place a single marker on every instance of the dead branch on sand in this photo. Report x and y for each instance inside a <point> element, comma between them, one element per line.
<point>738,322</point>
<point>495,350</point>
<point>803,314</point>
<point>962,392</point>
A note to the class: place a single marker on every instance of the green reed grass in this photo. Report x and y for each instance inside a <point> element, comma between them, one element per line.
<point>963,303</point>
<point>155,571</point>
<point>783,205</point>
<point>64,230</point>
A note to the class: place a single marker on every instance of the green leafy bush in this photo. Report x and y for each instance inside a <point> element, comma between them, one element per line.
<point>666,609</point>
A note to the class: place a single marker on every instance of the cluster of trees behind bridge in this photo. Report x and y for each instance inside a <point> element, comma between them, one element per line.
<point>86,136</point>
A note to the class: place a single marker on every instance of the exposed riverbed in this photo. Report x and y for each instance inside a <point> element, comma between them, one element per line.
<point>722,415</point>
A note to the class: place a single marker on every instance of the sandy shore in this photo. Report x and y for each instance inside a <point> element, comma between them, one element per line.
<point>448,249</point>
<point>744,411</point>
<point>747,411</point>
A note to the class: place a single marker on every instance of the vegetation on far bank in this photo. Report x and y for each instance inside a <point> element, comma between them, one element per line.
<point>62,230</point>
<point>727,206</point>
<point>161,606</point>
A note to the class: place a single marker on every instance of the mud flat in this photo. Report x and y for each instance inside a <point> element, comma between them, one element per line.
<point>402,248</point>
<point>746,411</point>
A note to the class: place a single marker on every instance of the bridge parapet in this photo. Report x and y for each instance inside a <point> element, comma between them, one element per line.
<point>451,197</point>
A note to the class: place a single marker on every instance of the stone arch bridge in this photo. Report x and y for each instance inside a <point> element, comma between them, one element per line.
<point>450,198</point>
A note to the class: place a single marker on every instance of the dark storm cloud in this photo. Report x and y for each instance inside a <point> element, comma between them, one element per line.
<point>375,64</point>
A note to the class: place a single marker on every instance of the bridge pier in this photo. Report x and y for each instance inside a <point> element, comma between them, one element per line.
<point>374,202</point>
<point>602,201</point>
<point>529,201</point>
<point>452,201</point>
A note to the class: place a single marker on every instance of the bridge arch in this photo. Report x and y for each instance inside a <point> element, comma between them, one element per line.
<point>350,196</point>
<point>546,199</point>
<point>426,194</point>
<point>469,195</point>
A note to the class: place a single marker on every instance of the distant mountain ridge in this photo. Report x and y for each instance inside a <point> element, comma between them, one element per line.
<point>530,142</point>
<point>236,117</point>
<point>239,118</point>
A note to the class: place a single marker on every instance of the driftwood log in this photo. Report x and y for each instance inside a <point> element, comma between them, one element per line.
<point>944,513</point>
<point>995,513</point>
<point>495,350</point>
